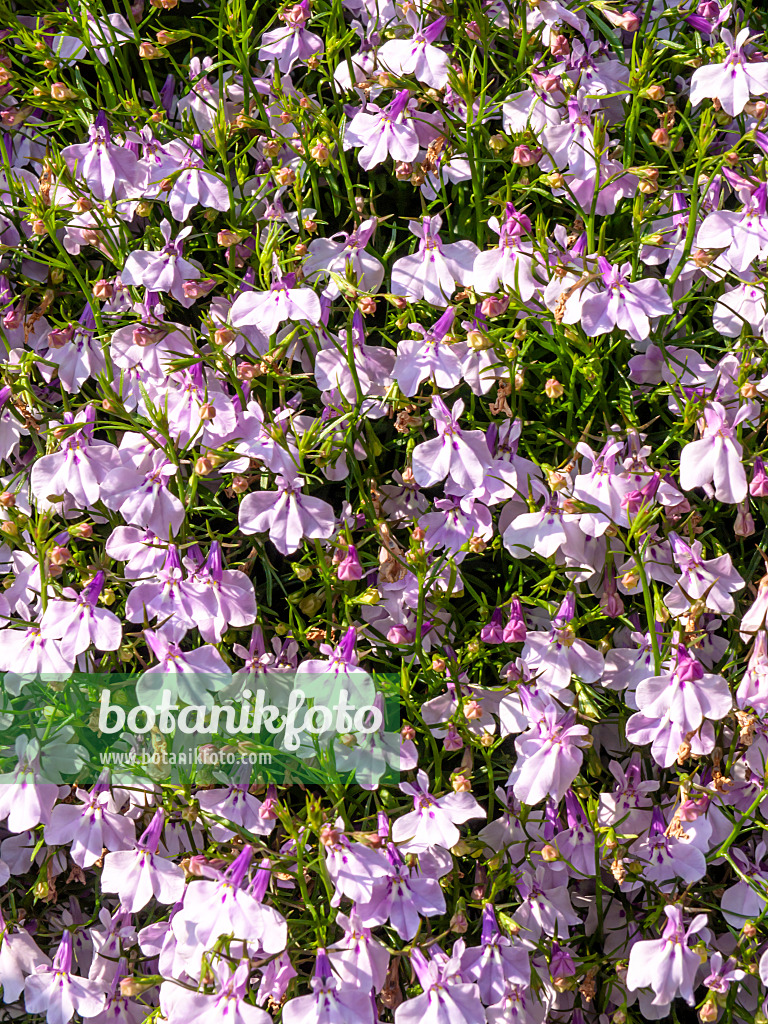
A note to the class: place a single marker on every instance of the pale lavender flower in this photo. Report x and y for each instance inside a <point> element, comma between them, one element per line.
<point>287,514</point>
<point>163,270</point>
<point>497,962</point>
<point>19,956</point>
<point>142,496</point>
<point>139,874</point>
<point>58,993</point>
<point>434,819</point>
<point>195,186</point>
<point>331,1001</point>
<point>675,705</point>
<point>90,826</point>
<point>106,167</point>
<point>462,455</point>
<point>555,655</point>
<point>78,622</point>
<point>433,271</point>
<point>180,1005</point>
<point>345,255</point>
<point>734,81</point>
<point>711,580</point>
<point>549,755</point>
<point>418,56</point>
<point>722,974</point>
<point>443,1000</point>
<point>742,233</point>
<point>403,897</point>
<point>292,43</point>
<point>509,265</point>
<point>284,301</point>
<point>625,304</point>
<point>357,958</point>
<point>667,965</point>
<point>382,132</point>
<point>429,357</point>
<point>716,458</point>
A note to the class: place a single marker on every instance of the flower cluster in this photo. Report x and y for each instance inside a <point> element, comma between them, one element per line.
<point>416,339</point>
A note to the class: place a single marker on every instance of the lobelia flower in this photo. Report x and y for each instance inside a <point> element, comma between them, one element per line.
<point>118,1007</point>
<point>509,265</point>
<point>12,429</point>
<point>665,857</point>
<point>331,1002</point>
<point>355,869</point>
<point>163,270</point>
<point>292,43</point>
<point>417,56</point>
<point>434,270</point>
<point>25,799</point>
<point>167,595</point>
<point>90,826</point>
<point>746,900</point>
<point>442,1001</point>
<point>340,673</point>
<point>382,132</point>
<point>733,81</point>
<point>722,974</point>
<point>429,357</point>
<point>287,514</point>
<point>78,355</point>
<point>235,804</point>
<point>628,809</point>
<point>59,994</point>
<point>497,962</point>
<point>744,304</point>
<point>180,1005</point>
<point>462,455</point>
<point>345,255</point>
<point>667,965</point>
<point>549,754</point>
<point>195,186</point>
<point>433,821</point>
<point>576,844</point>
<point>276,975</point>
<point>106,167</point>
<point>139,874</point>
<point>77,470</point>
<point>743,233</point>
<point>358,959</point>
<point>25,655</point>
<point>753,619</point>
<point>624,304</point>
<point>373,364</point>
<point>19,956</point>
<point>226,906</point>
<point>220,598</point>
<point>554,656</point>
<point>710,580</point>
<point>454,523</point>
<point>78,623</point>
<point>674,706</point>
<point>402,898</point>
<point>284,301</point>
<point>546,907</point>
<point>140,492</point>
<point>189,676</point>
<point>716,458</point>
<point>104,34</point>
